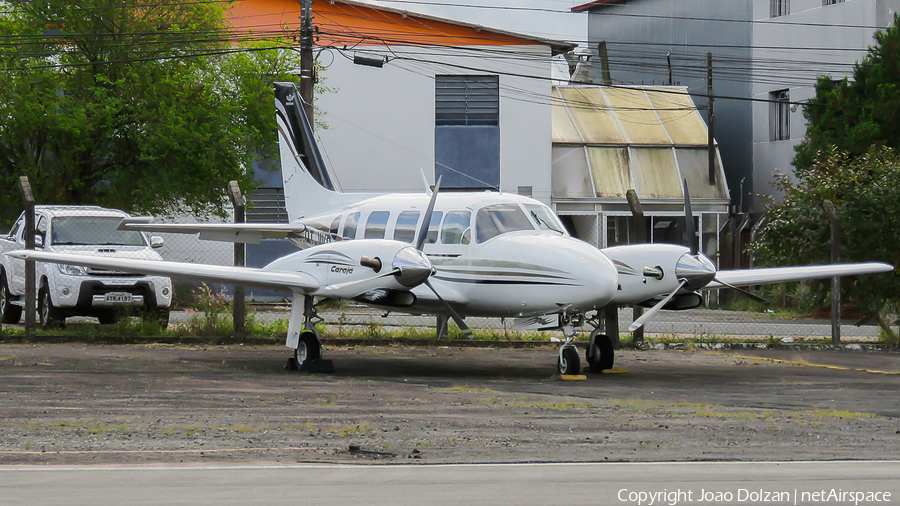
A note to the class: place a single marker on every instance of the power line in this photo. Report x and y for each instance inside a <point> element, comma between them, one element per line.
<point>776,20</point>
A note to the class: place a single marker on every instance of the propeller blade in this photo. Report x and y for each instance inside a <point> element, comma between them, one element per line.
<point>453,314</point>
<point>358,281</point>
<point>746,293</point>
<point>689,228</point>
<point>655,309</point>
<point>426,221</point>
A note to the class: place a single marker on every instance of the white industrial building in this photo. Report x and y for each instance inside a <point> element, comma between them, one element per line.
<point>766,56</point>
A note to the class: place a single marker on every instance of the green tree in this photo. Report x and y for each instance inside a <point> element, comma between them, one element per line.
<point>149,106</point>
<point>866,193</point>
<point>857,113</point>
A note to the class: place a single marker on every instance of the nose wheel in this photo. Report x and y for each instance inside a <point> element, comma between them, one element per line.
<point>568,362</point>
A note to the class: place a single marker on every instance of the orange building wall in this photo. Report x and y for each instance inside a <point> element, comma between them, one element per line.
<point>342,24</point>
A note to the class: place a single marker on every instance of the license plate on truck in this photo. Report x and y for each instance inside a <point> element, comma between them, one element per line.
<point>119,297</point>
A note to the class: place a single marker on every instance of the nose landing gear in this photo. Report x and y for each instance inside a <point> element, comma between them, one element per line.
<point>600,353</point>
<point>568,362</point>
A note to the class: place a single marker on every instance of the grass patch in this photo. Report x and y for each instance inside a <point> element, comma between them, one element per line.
<point>552,406</point>
<point>468,389</point>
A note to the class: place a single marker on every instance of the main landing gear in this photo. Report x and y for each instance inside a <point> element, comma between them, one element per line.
<point>307,346</point>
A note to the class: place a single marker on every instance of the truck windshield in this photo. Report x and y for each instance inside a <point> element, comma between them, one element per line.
<point>92,230</point>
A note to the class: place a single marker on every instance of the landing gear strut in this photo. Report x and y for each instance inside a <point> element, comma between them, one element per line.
<point>568,362</point>
<point>305,339</point>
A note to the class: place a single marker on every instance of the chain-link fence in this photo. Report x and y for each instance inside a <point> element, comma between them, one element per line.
<point>109,295</point>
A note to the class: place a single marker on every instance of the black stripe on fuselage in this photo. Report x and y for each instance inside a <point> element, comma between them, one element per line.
<point>503,282</point>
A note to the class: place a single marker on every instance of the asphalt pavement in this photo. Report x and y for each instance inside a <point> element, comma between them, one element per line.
<point>781,483</point>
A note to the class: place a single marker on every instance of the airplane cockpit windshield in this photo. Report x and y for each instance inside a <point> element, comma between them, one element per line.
<point>491,221</point>
<point>544,218</point>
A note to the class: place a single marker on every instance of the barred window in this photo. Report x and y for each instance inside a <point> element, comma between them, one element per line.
<point>781,119</point>
<point>779,8</point>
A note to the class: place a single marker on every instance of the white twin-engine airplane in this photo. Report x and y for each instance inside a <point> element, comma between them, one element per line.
<point>488,254</point>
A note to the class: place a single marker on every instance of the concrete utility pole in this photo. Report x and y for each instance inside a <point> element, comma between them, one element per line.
<point>604,63</point>
<point>640,235</point>
<point>307,69</point>
<point>710,112</point>
<point>239,316</point>
<point>28,201</point>
<point>835,220</point>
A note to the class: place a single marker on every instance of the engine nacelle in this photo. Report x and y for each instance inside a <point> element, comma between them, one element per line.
<point>679,302</point>
<point>652,271</point>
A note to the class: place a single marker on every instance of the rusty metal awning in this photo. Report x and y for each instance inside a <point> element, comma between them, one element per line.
<point>607,140</point>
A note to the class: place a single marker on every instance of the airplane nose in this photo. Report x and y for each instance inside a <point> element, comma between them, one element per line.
<point>697,269</point>
<point>413,267</point>
<point>595,269</point>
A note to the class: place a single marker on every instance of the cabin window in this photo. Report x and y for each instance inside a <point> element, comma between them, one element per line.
<point>433,227</point>
<point>350,226</point>
<point>497,219</point>
<point>544,218</point>
<point>456,228</point>
<point>405,229</point>
<point>376,224</point>
<point>335,226</point>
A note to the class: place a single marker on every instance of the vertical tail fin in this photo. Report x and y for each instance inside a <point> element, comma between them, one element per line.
<point>308,186</point>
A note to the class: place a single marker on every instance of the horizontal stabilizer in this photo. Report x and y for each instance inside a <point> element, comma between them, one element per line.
<point>250,233</point>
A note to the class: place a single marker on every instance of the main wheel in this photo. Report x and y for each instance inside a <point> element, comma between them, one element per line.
<point>308,349</point>
<point>568,362</point>
<point>9,313</point>
<point>600,353</point>
<point>48,315</point>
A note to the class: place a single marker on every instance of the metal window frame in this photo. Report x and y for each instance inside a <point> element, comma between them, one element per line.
<point>779,8</point>
<point>467,100</point>
<point>780,115</point>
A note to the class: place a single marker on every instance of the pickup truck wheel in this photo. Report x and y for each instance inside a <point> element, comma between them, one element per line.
<point>9,313</point>
<point>159,315</point>
<point>48,315</point>
<point>108,317</point>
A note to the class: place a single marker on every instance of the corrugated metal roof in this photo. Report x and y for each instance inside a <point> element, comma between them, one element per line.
<point>607,140</point>
<point>597,3</point>
<point>355,23</point>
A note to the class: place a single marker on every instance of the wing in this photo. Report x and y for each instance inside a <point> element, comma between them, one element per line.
<point>245,276</point>
<point>748,277</point>
<point>251,233</point>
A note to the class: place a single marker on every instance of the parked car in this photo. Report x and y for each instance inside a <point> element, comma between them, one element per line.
<point>65,290</point>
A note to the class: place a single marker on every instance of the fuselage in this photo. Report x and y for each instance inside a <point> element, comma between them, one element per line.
<point>497,255</point>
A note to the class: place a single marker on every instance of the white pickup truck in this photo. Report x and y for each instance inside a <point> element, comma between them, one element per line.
<point>65,290</point>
